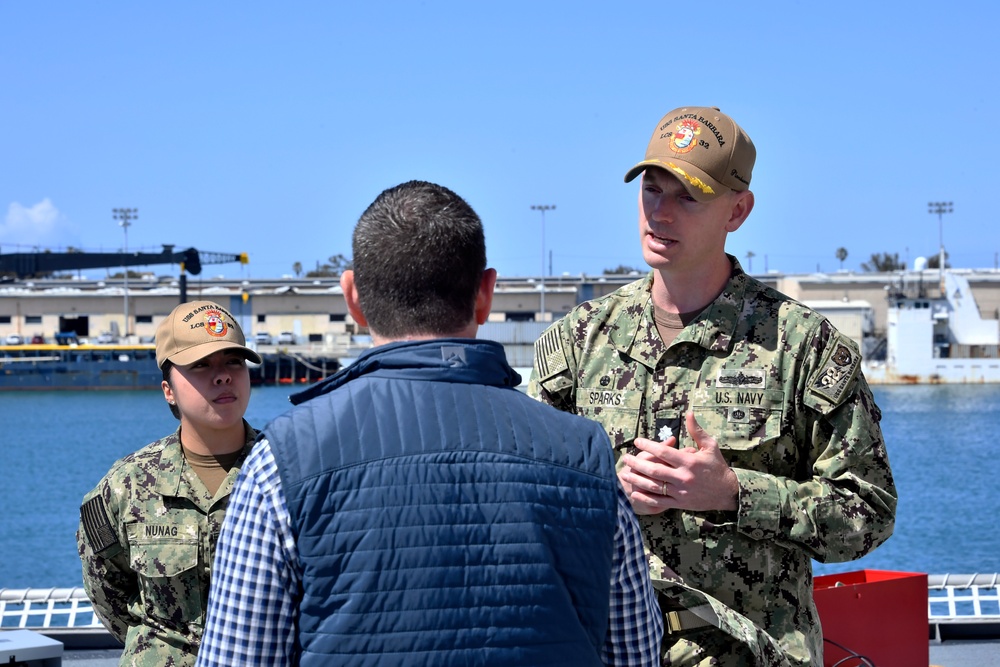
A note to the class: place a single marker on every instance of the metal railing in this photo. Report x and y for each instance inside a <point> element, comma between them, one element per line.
<point>963,600</point>
<point>952,599</point>
<point>31,608</point>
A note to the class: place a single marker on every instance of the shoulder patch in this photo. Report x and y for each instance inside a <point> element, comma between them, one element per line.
<point>836,373</point>
<point>97,526</point>
<point>549,356</point>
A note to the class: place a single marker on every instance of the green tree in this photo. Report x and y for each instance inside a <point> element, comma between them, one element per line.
<point>131,274</point>
<point>883,262</point>
<point>934,261</point>
<point>841,255</point>
<point>333,268</point>
<point>297,269</point>
<point>621,270</point>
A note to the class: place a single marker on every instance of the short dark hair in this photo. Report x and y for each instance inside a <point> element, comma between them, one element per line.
<point>167,365</point>
<point>419,257</point>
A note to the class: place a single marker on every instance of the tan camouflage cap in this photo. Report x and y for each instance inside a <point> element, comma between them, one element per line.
<point>704,148</point>
<point>196,329</point>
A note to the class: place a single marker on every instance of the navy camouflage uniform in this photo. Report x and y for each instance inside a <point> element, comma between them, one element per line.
<point>147,539</point>
<point>782,392</point>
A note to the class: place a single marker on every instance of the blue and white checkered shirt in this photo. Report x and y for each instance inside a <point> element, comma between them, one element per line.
<point>252,610</point>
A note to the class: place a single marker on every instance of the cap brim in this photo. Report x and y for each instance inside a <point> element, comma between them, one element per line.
<point>196,352</point>
<point>699,185</point>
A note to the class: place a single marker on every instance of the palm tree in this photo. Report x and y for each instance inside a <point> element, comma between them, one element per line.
<point>297,269</point>
<point>883,262</point>
<point>841,255</point>
<point>750,256</point>
<point>334,268</point>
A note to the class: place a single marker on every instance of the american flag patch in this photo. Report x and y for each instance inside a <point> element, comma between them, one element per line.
<point>549,357</point>
<point>96,525</point>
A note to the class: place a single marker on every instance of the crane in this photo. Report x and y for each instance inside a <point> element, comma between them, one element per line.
<point>27,264</point>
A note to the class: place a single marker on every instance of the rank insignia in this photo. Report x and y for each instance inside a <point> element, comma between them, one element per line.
<point>664,428</point>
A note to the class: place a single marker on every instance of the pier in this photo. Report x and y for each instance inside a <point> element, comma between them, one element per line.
<point>289,367</point>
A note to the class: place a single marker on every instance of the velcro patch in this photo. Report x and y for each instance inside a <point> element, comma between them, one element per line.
<point>453,355</point>
<point>97,526</point>
<point>549,356</point>
<point>738,415</point>
<point>741,378</point>
<point>837,370</point>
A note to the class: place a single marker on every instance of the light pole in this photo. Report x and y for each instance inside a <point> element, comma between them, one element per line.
<point>543,208</point>
<point>940,207</point>
<point>125,216</point>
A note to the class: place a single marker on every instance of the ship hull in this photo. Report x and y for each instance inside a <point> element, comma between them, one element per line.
<point>126,367</point>
<point>81,367</point>
<point>965,371</point>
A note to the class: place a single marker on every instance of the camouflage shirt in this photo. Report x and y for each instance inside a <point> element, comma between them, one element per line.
<point>147,539</point>
<point>781,390</point>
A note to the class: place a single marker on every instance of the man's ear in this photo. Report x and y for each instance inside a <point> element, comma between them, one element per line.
<point>484,297</point>
<point>742,205</point>
<point>351,297</point>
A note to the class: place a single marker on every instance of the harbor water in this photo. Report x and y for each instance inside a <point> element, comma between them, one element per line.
<point>55,446</point>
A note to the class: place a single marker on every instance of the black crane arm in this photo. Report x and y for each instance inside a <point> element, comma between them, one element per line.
<point>26,264</point>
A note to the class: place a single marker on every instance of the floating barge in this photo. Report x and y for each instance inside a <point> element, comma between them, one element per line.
<point>935,335</point>
<point>45,367</point>
<point>80,367</point>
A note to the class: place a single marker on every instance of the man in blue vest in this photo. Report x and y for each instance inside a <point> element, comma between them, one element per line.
<point>416,508</point>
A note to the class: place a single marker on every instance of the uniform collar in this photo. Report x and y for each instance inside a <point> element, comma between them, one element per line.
<point>633,332</point>
<point>168,475</point>
<point>169,469</point>
<point>715,328</point>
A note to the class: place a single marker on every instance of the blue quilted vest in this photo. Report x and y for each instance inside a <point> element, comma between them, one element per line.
<point>444,518</point>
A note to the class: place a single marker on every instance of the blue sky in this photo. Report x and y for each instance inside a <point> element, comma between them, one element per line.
<point>267,128</point>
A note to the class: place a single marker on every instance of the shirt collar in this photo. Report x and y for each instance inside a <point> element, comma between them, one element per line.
<point>715,328</point>
<point>633,332</point>
<point>168,474</point>
<point>460,360</point>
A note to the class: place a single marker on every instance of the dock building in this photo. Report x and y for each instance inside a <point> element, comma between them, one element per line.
<point>310,315</point>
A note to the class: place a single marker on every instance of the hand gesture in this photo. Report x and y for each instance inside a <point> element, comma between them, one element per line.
<point>662,477</point>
